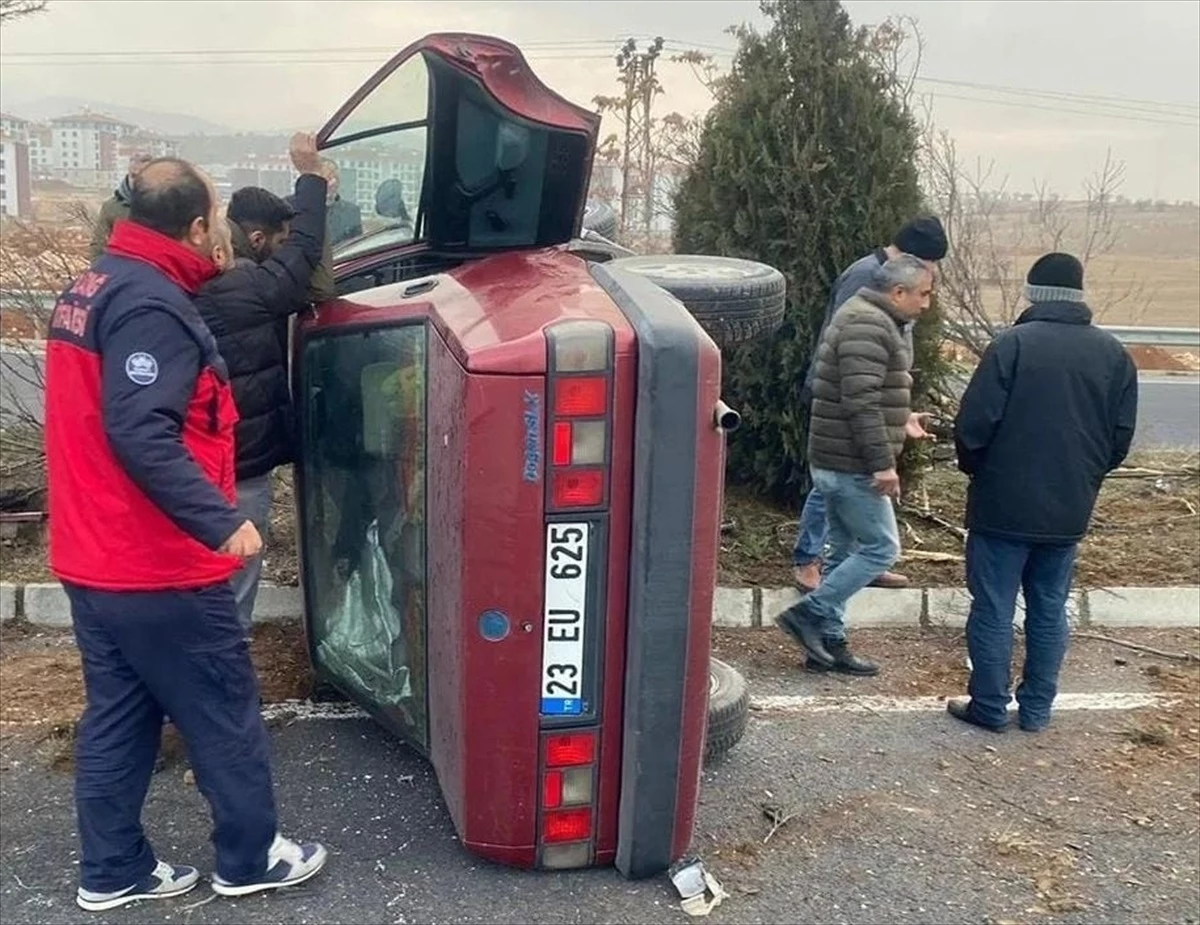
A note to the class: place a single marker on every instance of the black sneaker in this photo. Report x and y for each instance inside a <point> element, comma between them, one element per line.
<point>805,629</point>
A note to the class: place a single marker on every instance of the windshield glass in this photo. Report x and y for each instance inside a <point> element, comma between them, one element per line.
<point>387,237</point>
<point>379,151</point>
<point>363,515</point>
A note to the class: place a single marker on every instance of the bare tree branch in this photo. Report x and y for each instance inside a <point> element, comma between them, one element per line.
<point>36,263</point>
<point>993,232</point>
<point>15,9</point>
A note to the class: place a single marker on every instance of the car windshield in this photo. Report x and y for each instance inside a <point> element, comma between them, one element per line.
<point>388,236</point>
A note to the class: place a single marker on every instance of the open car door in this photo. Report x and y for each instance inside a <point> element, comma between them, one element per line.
<point>457,146</point>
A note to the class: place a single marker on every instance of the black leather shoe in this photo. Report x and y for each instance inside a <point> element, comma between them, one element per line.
<point>802,628</point>
<point>846,662</point>
<point>961,709</point>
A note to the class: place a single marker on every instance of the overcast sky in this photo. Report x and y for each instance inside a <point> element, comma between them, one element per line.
<point>1124,75</point>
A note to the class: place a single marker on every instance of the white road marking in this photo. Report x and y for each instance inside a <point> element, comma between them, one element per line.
<point>880,704</point>
<point>302,711</point>
<point>289,711</point>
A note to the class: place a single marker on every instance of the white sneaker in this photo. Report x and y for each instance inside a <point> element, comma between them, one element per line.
<point>165,881</point>
<point>288,863</point>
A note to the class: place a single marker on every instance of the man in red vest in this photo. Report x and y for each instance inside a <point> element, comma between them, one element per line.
<point>144,535</point>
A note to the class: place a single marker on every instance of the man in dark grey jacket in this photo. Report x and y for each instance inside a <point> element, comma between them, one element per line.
<point>1050,410</point>
<point>922,237</point>
<point>860,418</point>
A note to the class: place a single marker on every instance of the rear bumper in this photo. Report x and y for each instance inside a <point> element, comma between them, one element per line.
<point>670,574</point>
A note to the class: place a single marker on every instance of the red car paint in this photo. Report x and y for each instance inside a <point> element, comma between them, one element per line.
<point>487,352</point>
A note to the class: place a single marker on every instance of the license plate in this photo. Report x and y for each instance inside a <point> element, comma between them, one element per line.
<point>567,546</point>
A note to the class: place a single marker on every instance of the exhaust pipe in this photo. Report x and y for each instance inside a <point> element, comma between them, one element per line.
<point>725,418</point>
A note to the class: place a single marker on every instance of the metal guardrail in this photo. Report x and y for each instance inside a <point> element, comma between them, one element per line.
<point>1132,334</point>
<point>1126,334</point>
<point>1160,337</point>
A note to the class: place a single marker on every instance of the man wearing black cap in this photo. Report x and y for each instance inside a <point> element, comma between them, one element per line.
<point>921,237</point>
<point>1050,410</point>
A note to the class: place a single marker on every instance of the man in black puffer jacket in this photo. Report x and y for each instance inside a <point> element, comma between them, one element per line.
<point>248,309</point>
<point>1049,412</point>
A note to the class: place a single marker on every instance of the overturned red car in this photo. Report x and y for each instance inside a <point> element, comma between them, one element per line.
<point>510,478</point>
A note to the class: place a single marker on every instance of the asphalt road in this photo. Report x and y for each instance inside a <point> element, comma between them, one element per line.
<point>1168,407</point>
<point>905,817</point>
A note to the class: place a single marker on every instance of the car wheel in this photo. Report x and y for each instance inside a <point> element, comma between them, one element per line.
<point>728,709</point>
<point>734,300</point>
<point>601,218</point>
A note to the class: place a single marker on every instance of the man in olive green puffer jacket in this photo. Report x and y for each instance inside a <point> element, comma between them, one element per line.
<point>861,416</point>
<point>115,207</point>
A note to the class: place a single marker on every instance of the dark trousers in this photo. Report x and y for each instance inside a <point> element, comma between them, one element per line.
<point>996,569</point>
<point>181,653</point>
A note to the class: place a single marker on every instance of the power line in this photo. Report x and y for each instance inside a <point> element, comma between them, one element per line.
<point>1126,102</point>
<point>1118,102</point>
<point>220,52</point>
<point>725,51</point>
<point>564,55</point>
<point>1125,108</point>
<point>1063,109</point>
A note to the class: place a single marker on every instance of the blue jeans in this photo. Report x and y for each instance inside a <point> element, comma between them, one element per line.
<point>254,504</point>
<point>996,569</point>
<point>813,532</point>
<point>182,653</point>
<point>864,543</point>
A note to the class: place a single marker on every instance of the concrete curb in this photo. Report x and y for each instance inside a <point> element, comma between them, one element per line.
<point>740,608</point>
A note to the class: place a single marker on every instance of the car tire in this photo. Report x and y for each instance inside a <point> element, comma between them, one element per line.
<point>728,709</point>
<point>601,218</point>
<point>734,300</point>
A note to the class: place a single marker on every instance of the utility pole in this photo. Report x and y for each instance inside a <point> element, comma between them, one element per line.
<point>629,65</point>
<point>650,87</point>
<point>634,108</point>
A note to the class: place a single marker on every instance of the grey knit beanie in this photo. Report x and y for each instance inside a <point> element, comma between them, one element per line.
<point>1055,278</point>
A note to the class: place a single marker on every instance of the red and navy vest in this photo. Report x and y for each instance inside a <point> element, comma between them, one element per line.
<point>105,532</point>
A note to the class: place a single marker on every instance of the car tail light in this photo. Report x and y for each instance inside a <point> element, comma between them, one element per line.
<point>578,488</point>
<point>567,825</point>
<point>589,441</point>
<point>576,787</point>
<point>552,789</point>
<point>570,750</point>
<point>568,789</point>
<point>579,389</point>
<point>581,396</point>
<point>562,443</point>
<point>565,857</point>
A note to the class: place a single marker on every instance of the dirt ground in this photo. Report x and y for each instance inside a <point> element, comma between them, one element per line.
<point>41,692</point>
<point>41,681</point>
<point>1145,532</point>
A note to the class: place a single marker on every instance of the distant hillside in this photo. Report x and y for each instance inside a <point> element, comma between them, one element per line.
<point>164,123</point>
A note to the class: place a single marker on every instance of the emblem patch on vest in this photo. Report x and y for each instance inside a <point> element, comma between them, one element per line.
<point>141,368</point>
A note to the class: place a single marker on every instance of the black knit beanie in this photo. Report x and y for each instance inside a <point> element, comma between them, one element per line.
<point>1055,278</point>
<point>922,237</point>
